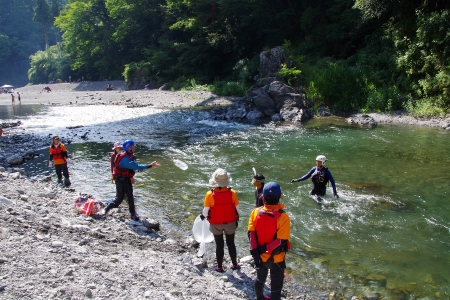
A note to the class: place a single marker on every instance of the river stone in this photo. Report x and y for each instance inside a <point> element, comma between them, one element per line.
<point>57,244</point>
<point>5,201</point>
<point>255,114</point>
<point>150,223</point>
<point>15,175</point>
<point>14,160</point>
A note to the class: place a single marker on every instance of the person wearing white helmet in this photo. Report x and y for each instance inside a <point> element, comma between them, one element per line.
<point>320,176</point>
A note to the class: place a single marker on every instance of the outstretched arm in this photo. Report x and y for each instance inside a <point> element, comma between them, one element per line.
<point>306,176</point>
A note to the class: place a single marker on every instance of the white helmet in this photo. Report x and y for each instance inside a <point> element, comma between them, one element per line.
<point>321,158</point>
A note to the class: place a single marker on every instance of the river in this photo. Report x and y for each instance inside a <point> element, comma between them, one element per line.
<point>387,236</point>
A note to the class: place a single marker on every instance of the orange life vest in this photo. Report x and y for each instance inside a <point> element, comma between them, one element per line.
<point>118,170</point>
<point>58,153</point>
<point>223,211</point>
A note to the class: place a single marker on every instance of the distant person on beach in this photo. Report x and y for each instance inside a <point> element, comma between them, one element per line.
<point>59,158</point>
<point>116,148</point>
<point>258,183</point>
<point>12,99</point>
<point>46,89</point>
<point>18,97</point>
<point>124,170</point>
<point>320,177</point>
<point>269,233</point>
<point>221,208</point>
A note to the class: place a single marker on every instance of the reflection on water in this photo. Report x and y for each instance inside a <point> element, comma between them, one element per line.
<point>387,234</point>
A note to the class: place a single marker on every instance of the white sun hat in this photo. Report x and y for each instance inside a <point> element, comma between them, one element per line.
<point>220,178</point>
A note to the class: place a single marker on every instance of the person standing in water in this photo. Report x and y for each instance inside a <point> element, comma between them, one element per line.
<point>12,99</point>
<point>221,207</point>
<point>124,169</point>
<point>18,98</point>
<point>58,158</point>
<point>269,233</point>
<point>258,183</point>
<point>320,177</point>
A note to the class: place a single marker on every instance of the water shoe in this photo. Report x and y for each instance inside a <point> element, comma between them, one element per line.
<point>220,270</point>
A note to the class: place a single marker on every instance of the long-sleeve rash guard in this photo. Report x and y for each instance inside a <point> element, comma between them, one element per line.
<point>127,163</point>
<point>327,173</point>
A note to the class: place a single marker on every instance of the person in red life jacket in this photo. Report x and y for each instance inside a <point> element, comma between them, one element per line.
<point>269,233</point>
<point>58,158</point>
<point>221,207</point>
<point>124,169</point>
<point>320,177</point>
<point>258,183</point>
<point>117,148</point>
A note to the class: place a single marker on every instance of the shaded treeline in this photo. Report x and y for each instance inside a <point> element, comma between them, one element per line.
<point>376,55</point>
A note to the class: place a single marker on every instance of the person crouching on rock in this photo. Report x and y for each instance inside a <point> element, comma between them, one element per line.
<point>117,148</point>
<point>221,207</point>
<point>58,158</point>
<point>124,170</point>
<point>269,233</point>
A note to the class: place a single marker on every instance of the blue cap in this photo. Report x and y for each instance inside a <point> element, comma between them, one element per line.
<point>272,189</point>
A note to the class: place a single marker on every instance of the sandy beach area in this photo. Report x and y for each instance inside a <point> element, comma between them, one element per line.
<point>94,93</point>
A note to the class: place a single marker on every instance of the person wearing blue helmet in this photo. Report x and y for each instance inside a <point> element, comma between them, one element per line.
<point>125,166</point>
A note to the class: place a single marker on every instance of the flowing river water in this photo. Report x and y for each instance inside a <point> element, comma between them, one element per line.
<point>387,236</point>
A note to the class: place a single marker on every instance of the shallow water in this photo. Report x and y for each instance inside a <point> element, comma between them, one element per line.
<point>387,235</point>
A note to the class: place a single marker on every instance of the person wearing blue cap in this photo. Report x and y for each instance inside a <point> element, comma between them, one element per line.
<point>269,233</point>
<point>124,169</point>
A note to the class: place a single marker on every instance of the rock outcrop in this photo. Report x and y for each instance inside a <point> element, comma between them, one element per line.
<point>269,98</point>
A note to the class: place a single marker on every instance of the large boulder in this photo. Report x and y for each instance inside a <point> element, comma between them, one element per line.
<point>270,62</point>
<point>269,97</point>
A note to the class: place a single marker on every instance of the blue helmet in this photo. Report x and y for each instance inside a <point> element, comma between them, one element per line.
<point>128,145</point>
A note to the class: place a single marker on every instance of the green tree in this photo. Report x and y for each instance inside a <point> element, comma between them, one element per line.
<point>43,16</point>
<point>48,64</point>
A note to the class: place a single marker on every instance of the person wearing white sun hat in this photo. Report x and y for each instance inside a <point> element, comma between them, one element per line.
<point>221,208</point>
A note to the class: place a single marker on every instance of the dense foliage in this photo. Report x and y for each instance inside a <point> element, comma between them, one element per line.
<point>367,55</point>
<point>26,26</point>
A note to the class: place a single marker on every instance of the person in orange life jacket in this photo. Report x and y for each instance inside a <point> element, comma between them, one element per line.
<point>117,148</point>
<point>124,169</point>
<point>259,185</point>
<point>320,177</point>
<point>58,158</point>
<point>221,206</point>
<point>269,234</point>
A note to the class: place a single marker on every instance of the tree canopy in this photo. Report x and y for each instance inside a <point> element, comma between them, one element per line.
<point>395,52</point>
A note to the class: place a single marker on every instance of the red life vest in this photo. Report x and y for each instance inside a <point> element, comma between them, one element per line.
<point>118,170</point>
<point>266,226</point>
<point>56,152</point>
<point>223,211</point>
<point>112,160</point>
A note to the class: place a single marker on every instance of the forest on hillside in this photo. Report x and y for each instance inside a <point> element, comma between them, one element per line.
<point>365,55</point>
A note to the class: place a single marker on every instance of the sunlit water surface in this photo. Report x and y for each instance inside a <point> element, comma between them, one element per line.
<point>388,235</point>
